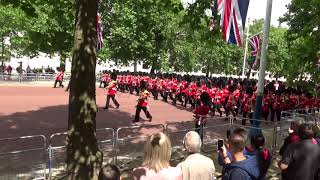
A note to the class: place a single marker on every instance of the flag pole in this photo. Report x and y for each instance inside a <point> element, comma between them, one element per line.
<point>262,70</point>
<point>246,50</point>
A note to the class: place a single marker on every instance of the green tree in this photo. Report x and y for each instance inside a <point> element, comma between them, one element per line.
<point>303,38</point>
<point>43,24</point>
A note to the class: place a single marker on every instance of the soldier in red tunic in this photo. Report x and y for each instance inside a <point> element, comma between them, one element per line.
<point>103,80</point>
<point>59,79</point>
<point>276,106</point>
<point>266,102</point>
<point>248,105</point>
<point>111,91</point>
<point>201,112</point>
<point>143,102</point>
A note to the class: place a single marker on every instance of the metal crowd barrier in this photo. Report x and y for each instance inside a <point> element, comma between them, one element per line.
<point>26,162</point>
<point>31,162</point>
<point>33,77</point>
<point>58,151</point>
<point>131,136</point>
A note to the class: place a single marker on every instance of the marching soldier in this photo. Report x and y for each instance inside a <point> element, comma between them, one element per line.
<point>112,91</point>
<point>143,102</point>
<point>59,79</point>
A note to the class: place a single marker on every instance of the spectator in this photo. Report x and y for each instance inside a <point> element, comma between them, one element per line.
<point>196,166</point>
<point>240,131</point>
<point>292,138</point>
<point>156,166</point>
<point>109,172</point>
<point>28,69</point>
<point>301,160</point>
<point>242,168</point>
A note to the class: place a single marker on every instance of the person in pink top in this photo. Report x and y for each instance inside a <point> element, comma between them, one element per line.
<point>156,166</point>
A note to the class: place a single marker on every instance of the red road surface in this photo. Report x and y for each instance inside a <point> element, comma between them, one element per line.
<point>30,110</point>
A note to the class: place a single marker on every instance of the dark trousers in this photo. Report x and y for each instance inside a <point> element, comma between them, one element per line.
<point>138,110</point>
<point>164,95</point>
<point>199,130</point>
<point>278,114</point>
<point>214,108</point>
<point>154,93</point>
<point>172,98</point>
<point>60,83</point>
<point>179,98</point>
<point>113,99</point>
<point>137,90</point>
<point>233,111</point>
<point>265,115</point>
<point>244,115</point>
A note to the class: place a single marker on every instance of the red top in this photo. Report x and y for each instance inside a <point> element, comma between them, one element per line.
<point>104,77</point>
<point>59,76</point>
<point>112,90</point>
<point>217,98</point>
<point>277,103</point>
<point>202,110</point>
<point>143,99</point>
<point>266,103</point>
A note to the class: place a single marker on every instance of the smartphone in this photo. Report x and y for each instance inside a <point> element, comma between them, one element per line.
<point>220,144</point>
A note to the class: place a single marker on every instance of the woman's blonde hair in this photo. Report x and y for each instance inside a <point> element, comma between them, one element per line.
<point>157,152</point>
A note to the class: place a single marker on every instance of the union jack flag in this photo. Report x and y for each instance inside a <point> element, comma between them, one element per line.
<point>254,42</point>
<point>233,19</point>
<point>99,31</point>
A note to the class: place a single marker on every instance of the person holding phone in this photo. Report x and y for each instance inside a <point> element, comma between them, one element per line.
<point>240,167</point>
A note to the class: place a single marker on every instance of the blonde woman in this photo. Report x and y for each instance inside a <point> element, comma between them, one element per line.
<point>156,166</point>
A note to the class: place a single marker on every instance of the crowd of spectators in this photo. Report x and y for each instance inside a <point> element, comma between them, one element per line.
<point>8,70</point>
<point>299,158</point>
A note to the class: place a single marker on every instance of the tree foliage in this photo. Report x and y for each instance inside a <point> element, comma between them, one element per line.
<point>303,38</point>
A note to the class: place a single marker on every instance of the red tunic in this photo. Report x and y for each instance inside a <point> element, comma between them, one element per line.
<point>202,110</point>
<point>59,76</point>
<point>111,89</point>
<point>143,99</point>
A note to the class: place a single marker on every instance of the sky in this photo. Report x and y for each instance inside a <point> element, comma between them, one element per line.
<point>257,9</point>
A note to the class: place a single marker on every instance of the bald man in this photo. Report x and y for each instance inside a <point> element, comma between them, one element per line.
<point>196,166</point>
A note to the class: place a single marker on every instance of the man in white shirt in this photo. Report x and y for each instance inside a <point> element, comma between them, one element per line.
<point>196,166</point>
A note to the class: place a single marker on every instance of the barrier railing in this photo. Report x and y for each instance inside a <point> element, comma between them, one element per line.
<point>30,162</point>
<point>32,77</point>
<point>133,137</point>
<point>106,143</point>
<point>57,150</point>
<point>57,155</point>
<point>23,157</point>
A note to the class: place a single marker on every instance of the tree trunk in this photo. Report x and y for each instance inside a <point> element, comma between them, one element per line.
<point>135,64</point>
<point>207,69</point>
<point>83,156</point>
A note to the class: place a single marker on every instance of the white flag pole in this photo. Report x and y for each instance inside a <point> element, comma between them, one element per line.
<point>246,50</point>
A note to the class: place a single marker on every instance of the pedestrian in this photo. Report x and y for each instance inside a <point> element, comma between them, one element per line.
<point>143,102</point>
<point>300,160</point>
<point>112,91</point>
